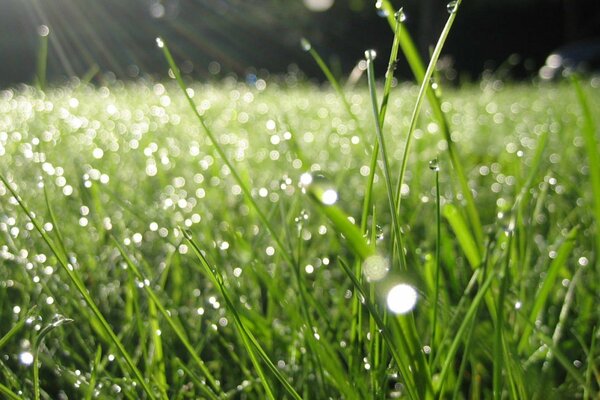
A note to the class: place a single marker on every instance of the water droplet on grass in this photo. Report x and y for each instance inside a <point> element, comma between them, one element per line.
<point>375,267</point>
<point>370,54</point>
<point>305,44</point>
<point>402,298</point>
<point>434,165</point>
<point>26,358</point>
<point>320,187</point>
<point>400,15</point>
<point>452,7</point>
<point>160,43</point>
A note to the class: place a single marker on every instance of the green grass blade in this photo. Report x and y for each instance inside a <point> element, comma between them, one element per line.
<point>36,349</point>
<point>307,46</point>
<point>549,281</point>
<point>76,281</point>
<point>384,159</point>
<point>590,133</point>
<point>9,393</point>
<point>463,234</point>
<point>42,57</point>
<point>96,365</point>
<point>341,221</point>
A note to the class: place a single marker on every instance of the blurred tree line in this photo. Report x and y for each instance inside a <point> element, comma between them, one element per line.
<point>212,38</point>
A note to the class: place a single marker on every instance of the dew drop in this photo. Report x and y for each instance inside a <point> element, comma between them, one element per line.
<point>370,54</point>
<point>452,7</point>
<point>305,44</point>
<point>434,165</point>
<point>43,30</point>
<point>400,15</point>
<point>160,43</point>
<point>319,187</point>
<point>401,298</point>
<point>26,358</point>
<point>375,267</point>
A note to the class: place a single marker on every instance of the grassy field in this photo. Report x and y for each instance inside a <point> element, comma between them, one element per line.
<point>199,291</point>
<point>284,240</point>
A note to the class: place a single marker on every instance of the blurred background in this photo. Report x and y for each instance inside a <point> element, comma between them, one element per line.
<point>116,39</point>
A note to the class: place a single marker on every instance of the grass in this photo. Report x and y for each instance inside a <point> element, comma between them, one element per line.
<point>228,241</point>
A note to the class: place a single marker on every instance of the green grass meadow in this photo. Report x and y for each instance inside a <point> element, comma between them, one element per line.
<point>270,240</point>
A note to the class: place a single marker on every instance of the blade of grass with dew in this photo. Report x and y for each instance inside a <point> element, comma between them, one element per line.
<point>42,58</point>
<point>463,235</point>
<point>13,331</point>
<point>438,239</point>
<point>36,350</point>
<point>9,393</point>
<point>399,251</point>
<point>76,281</point>
<point>417,66</point>
<point>252,346</point>
<point>548,283</point>
<point>389,77</point>
<point>423,89</point>
<point>307,46</point>
<point>174,326</point>
<point>593,154</point>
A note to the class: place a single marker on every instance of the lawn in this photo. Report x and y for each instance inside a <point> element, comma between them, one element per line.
<point>282,239</point>
<point>209,294</point>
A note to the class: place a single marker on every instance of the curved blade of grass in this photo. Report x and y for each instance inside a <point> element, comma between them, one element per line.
<point>550,279</point>
<point>463,234</point>
<point>593,153</point>
<point>76,281</point>
<point>417,66</point>
<point>250,343</point>
<point>424,88</point>
<point>9,393</point>
<point>36,349</point>
<point>307,46</point>
<point>352,233</point>
<point>174,326</point>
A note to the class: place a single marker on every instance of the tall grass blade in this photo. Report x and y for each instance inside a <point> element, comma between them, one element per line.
<point>590,133</point>
<point>42,57</point>
<point>399,251</point>
<point>307,46</point>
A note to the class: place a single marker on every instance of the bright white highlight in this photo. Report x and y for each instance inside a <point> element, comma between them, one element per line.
<point>401,298</point>
<point>26,358</point>
<point>318,5</point>
<point>329,197</point>
<point>306,179</point>
<point>375,268</point>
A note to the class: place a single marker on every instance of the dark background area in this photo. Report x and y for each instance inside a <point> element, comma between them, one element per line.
<point>213,38</point>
